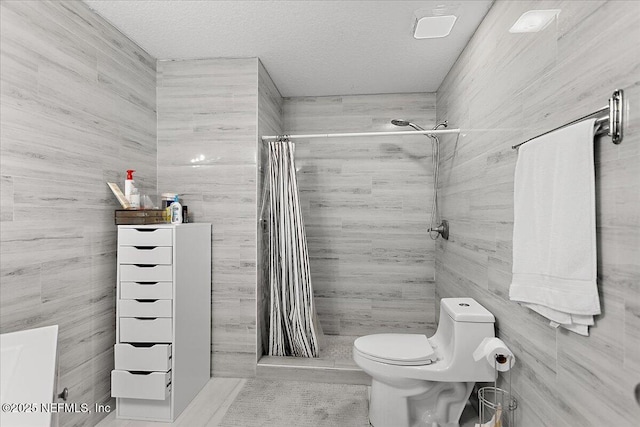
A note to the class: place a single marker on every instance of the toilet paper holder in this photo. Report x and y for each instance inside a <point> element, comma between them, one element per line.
<point>497,407</point>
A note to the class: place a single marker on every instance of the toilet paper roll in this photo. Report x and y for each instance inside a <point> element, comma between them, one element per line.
<point>490,348</point>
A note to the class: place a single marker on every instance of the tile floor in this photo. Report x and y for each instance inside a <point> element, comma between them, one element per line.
<point>338,348</point>
<point>210,406</point>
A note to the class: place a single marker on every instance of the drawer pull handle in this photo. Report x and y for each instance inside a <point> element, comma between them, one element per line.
<point>145,248</point>
<point>145,318</point>
<point>147,283</point>
<point>145,265</point>
<point>147,301</point>
<point>139,372</point>
<point>142,344</point>
<point>146,230</point>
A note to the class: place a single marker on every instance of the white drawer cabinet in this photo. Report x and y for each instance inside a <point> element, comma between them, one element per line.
<point>163,317</point>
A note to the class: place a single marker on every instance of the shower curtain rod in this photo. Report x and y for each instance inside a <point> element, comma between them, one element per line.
<point>338,135</point>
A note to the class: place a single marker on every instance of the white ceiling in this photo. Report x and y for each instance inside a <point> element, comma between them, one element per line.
<point>310,48</point>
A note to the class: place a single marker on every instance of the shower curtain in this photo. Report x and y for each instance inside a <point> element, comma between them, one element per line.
<point>293,328</point>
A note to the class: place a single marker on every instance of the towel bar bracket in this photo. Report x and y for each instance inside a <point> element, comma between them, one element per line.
<point>616,116</point>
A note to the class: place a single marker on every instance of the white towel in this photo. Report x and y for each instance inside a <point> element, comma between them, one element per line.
<point>554,230</point>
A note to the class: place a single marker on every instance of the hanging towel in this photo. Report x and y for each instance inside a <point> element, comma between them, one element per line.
<point>554,229</point>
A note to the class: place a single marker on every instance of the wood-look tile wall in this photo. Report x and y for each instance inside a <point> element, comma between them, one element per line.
<point>270,118</point>
<point>207,151</point>
<point>366,205</point>
<point>77,109</point>
<point>504,89</point>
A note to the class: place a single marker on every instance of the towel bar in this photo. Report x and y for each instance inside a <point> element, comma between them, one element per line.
<point>615,120</point>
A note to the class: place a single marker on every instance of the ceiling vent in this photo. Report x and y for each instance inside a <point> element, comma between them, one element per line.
<point>433,27</point>
<point>533,21</point>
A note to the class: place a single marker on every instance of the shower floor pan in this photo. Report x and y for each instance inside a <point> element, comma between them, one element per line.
<point>335,364</point>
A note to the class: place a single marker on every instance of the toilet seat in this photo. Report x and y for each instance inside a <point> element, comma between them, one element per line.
<point>396,349</point>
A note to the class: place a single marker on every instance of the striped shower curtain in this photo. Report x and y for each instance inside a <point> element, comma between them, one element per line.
<point>293,325</point>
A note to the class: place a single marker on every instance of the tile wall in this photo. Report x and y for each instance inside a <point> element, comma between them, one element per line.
<point>207,152</point>
<point>366,204</point>
<point>269,123</point>
<point>77,109</point>
<point>504,89</point>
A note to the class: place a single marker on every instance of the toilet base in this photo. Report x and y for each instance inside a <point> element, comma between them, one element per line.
<point>417,403</point>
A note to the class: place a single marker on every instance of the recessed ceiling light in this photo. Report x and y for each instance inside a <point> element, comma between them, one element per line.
<point>432,27</point>
<point>533,21</point>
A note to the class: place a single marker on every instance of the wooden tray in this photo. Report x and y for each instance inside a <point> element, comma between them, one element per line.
<point>140,216</point>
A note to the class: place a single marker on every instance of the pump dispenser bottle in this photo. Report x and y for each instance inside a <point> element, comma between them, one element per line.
<point>128,185</point>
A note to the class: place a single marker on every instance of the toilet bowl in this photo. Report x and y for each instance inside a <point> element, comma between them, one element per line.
<point>420,381</point>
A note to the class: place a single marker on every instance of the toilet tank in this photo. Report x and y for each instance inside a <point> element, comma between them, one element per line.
<point>465,310</point>
<point>463,324</point>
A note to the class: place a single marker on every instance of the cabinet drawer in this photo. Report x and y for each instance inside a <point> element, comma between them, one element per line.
<point>153,308</point>
<point>145,255</point>
<point>145,273</point>
<point>146,290</point>
<point>145,409</point>
<point>157,330</point>
<point>144,237</point>
<point>148,385</point>
<point>131,358</point>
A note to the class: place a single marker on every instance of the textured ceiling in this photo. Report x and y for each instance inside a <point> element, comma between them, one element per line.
<point>310,48</point>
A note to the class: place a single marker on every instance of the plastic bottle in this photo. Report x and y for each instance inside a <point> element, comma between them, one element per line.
<point>128,185</point>
<point>176,211</point>
<point>134,198</point>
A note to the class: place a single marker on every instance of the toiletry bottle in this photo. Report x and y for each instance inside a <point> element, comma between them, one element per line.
<point>134,198</point>
<point>128,185</point>
<point>176,211</point>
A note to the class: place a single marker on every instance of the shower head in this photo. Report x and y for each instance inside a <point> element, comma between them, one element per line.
<point>400,122</point>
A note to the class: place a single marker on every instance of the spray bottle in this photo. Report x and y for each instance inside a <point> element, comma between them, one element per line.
<point>176,211</point>
<point>128,185</point>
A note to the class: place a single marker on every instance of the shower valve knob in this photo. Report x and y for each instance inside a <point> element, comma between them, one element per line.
<point>443,229</point>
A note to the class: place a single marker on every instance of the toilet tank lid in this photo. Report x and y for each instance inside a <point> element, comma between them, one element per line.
<point>466,310</point>
<point>397,348</point>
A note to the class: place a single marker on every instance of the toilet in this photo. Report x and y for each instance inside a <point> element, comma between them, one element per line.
<point>420,381</point>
